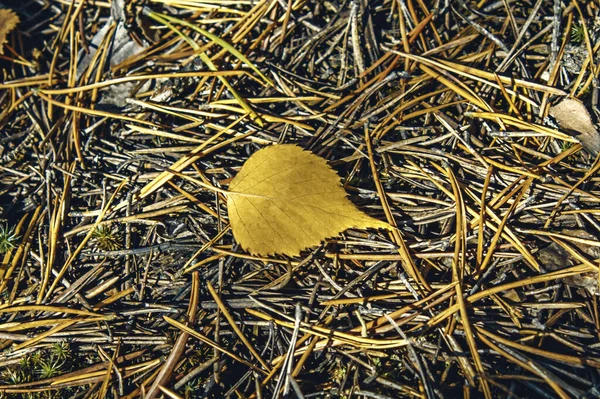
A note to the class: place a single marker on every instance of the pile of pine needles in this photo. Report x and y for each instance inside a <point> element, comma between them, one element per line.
<point>121,278</point>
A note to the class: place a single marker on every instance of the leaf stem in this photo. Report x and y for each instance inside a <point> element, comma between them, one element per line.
<point>198,182</point>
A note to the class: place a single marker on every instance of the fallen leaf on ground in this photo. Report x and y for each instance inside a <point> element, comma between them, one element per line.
<point>555,257</point>
<point>121,48</point>
<point>572,115</point>
<point>285,199</point>
<point>8,21</point>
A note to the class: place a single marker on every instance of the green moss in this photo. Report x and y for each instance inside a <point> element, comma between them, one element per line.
<point>8,238</point>
<point>106,238</point>
<point>577,33</point>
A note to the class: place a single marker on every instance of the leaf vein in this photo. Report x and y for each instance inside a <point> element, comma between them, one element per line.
<point>265,179</point>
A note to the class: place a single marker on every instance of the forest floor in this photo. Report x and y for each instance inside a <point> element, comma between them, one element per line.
<point>469,126</point>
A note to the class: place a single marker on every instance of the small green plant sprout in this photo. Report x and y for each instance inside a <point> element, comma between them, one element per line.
<point>8,238</point>
<point>49,367</point>
<point>12,375</point>
<point>339,372</point>
<point>566,145</point>
<point>106,238</point>
<point>36,358</point>
<point>192,388</point>
<point>577,33</point>
<point>60,350</point>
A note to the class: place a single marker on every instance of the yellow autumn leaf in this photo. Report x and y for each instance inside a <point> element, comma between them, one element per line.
<point>8,21</point>
<point>285,199</point>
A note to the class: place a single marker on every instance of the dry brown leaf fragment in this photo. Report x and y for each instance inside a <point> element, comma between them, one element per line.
<point>8,21</point>
<point>572,115</point>
<point>555,257</point>
<point>285,199</point>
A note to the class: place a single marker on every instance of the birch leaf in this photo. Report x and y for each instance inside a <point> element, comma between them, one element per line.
<point>572,115</point>
<point>8,21</point>
<point>285,199</point>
